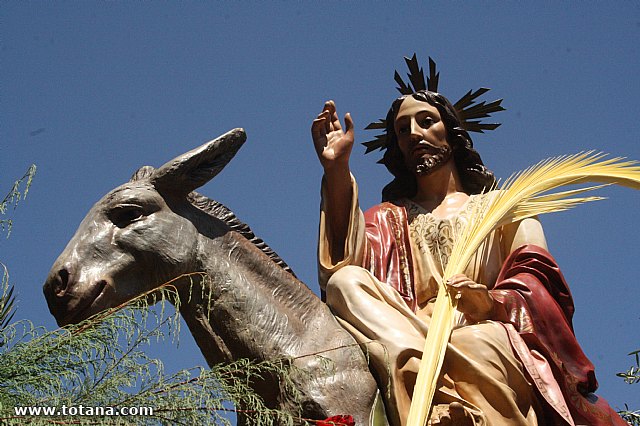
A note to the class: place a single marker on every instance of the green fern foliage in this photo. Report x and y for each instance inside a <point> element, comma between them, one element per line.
<point>102,363</point>
<point>19,191</point>
<point>631,376</point>
<point>85,374</point>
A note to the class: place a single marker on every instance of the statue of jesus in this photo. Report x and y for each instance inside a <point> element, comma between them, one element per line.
<point>513,358</point>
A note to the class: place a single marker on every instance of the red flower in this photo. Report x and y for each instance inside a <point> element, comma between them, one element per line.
<point>337,421</point>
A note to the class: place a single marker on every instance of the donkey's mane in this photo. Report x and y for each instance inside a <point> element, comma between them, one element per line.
<point>223,213</point>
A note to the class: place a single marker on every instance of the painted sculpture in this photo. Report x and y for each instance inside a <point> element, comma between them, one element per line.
<point>512,358</point>
<point>154,228</point>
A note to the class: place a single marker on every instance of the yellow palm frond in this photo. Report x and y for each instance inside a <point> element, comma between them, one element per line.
<point>523,195</point>
<point>549,203</point>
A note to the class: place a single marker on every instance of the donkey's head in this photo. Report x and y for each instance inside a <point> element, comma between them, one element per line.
<point>139,235</point>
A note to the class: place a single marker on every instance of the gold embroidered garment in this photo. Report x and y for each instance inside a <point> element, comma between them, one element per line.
<point>480,369</point>
<point>433,238</point>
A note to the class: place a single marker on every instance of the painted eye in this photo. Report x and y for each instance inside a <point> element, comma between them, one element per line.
<point>123,216</point>
<point>426,122</point>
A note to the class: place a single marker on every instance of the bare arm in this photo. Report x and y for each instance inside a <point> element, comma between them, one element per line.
<point>527,231</point>
<point>333,146</point>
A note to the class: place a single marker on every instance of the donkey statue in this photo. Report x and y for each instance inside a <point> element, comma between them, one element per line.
<point>154,228</point>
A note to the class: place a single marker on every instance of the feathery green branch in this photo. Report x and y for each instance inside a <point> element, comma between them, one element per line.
<point>101,363</point>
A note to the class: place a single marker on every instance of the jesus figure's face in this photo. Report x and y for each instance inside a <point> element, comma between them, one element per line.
<point>422,136</point>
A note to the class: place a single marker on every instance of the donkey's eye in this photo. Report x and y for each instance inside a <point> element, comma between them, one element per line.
<point>124,215</point>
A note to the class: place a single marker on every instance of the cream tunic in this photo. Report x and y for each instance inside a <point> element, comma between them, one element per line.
<point>480,369</point>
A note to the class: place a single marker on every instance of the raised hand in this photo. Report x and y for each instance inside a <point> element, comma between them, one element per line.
<point>474,300</point>
<point>333,144</point>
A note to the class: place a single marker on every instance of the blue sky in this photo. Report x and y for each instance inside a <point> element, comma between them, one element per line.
<point>90,91</point>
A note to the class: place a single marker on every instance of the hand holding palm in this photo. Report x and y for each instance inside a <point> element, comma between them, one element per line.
<point>474,300</point>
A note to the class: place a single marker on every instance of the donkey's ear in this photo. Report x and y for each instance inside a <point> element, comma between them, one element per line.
<point>189,171</point>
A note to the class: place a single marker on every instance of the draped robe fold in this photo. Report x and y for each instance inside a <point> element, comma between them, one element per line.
<point>530,329</point>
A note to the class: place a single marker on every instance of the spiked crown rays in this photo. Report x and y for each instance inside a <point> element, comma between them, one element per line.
<point>468,113</point>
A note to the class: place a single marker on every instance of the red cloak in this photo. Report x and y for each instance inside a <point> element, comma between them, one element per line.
<point>532,300</point>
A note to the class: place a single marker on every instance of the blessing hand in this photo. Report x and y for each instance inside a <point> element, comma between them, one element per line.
<point>333,145</point>
<point>473,299</point>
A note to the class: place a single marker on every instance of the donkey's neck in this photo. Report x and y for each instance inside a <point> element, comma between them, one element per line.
<point>249,307</point>
<point>246,306</point>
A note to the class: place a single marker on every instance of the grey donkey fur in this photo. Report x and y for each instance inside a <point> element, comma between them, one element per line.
<point>155,228</point>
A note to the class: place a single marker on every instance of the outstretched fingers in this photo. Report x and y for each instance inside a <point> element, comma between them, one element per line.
<point>323,124</point>
<point>330,106</point>
<point>348,121</point>
<point>332,143</point>
<point>321,127</point>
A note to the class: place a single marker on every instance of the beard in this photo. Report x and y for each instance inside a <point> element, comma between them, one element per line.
<point>426,164</point>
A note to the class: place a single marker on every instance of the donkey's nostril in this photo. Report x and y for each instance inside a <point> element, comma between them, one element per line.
<point>61,282</point>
